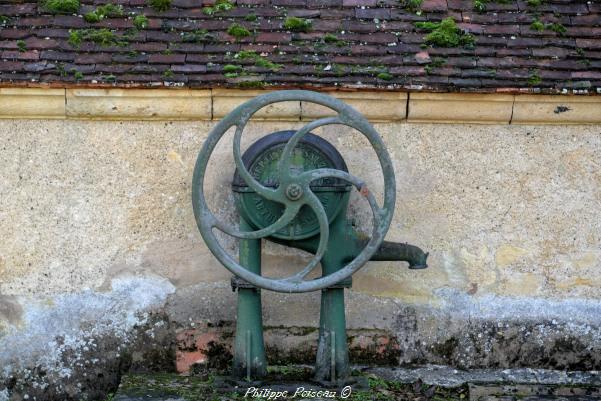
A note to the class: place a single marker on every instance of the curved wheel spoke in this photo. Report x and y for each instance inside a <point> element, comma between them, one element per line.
<point>267,193</point>
<point>324,235</point>
<point>288,215</point>
<point>284,162</point>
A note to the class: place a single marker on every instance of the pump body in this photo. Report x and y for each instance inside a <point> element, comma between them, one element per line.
<point>293,188</point>
<point>344,244</point>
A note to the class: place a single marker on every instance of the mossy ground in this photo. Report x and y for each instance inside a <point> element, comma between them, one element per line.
<point>192,388</point>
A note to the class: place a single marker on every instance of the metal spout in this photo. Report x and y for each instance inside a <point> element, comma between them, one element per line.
<point>392,251</point>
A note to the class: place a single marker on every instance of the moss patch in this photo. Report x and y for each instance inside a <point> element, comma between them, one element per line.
<point>259,60</point>
<point>537,25</point>
<point>445,34</point>
<point>238,31</point>
<point>103,37</point>
<point>197,36</point>
<point>332,39</point>
<point>61,6</point>
<point>102,12</point>
<point>297,24</point>
<point>219,7</point>
<point>160,5</point>
<point>141,22</point>
<point>412,5</point>
<point>534,78</point>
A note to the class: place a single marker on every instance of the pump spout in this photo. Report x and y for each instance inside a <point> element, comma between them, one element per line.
<point>390,251</point>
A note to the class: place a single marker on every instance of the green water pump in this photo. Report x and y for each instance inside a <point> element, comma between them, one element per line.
<point>293,188</point>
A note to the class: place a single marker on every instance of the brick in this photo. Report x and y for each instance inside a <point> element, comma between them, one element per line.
<point>289,3</point>
<point>371,13</point>
<point>17,55</point>
<point>586,75</point>
<point>94,58</point>
<point>18,9</point>
<point>11,65</point>
<point>52,33</point>
<point>273,37</point>
<point>33,21</point>
<point>358,3</point>
<point>589,43</point>
<point>55,55</point>
<point>551,52</point>
<point>525,42</point>
<point>149,47</point>
<point>167,59</point>
<point>434,5</point>
<point>36,43</point>
<point>14,33</point>
<point>189,68</point>
<point>68,21</point>
<point>324,3</point>
<point>39,66</point>
<point>501,29</point>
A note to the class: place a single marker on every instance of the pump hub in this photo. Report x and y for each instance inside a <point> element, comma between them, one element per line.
<point>294,192</point>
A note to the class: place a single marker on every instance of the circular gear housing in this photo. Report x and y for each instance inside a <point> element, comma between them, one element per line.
<point>311,153</point>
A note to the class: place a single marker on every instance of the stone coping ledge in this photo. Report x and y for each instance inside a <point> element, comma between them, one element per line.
<point>214,104</point>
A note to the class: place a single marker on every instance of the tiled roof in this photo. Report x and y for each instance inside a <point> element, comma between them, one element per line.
<point>517,46</point>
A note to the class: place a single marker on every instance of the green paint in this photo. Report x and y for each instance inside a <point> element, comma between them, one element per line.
<point>295,191</point>
<point>249,320</point>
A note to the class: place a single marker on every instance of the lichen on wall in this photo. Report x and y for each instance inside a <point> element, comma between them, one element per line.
<point>76,343</point>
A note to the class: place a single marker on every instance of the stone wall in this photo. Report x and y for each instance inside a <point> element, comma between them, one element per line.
<point>102,268</point>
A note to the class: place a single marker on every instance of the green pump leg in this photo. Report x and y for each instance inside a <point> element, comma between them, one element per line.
<point>332,362</point>
<point>249,349</point>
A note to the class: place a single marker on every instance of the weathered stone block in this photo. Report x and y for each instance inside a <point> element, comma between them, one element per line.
<point>139,104</point>
<point>466,108</point>
<point>530,109</point>
<point>32,103</point>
